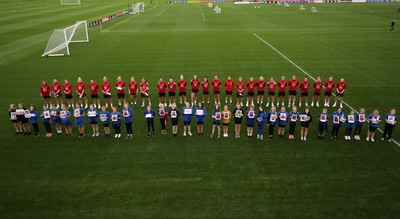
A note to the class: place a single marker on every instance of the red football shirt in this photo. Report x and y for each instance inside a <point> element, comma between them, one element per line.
<point>80,88</point>
<point>45,90</point>
<point>144,87</point>
<point>195,83</point>
<point>304,86</point>
<point>56,88</point>
<point>106,88</point>
<point>120,85</point>
<point>271,86</point>
<point>229,85</point>
<point>133,87</point>
<point>329,85</point>
<point>182,85</point>
<point>261,85</point>
<point>317,87</point>
<point>293,84</point>
<point>171,86</point>
<point>341,87</point>
<point>240,87</point>
<point>94,88</point>
<point>251,85</point>
<point>282,84</point>
<point>216,85</point>
<point>162,86</point>
<point>205,85</point>
<point>67,88</point>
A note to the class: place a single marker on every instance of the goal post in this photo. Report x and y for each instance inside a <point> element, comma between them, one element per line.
<point>58,44</point>
<point>136,8</point>
<point>70,2</point>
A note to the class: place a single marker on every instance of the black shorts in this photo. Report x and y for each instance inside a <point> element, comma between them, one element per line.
<point>281,94</point>
<point>94,96</point>
<point>292,93</point>
<point>250,126</point>
<point>305,125</point>
<point>339,95</point>
<point>83,95</point>
<point>260,93</point>
<point>174,122</point>
<point>317,93</point>
<point>271,93</point>
<point>239,95</point>
<point>161,94</point>
<point>238,121</point>
<point>216,92</point>
<point>281,126</point>
<point>46,97</point>
<point>106,124</point>
<point>225,124</point>
<point>200,123</point>
<point>93,123</point>
<point>216,123</point>
<point>182,93</point>
<point>22,120</point>
<point>228,92</point>
<point>250,94</point>
<point>186,122</point>
<point>15,121</point>
<point>372,129</point>
<point>106,96</point>
<point>171,94</point>
<point>57,95</point>
<point>206,92</point>
<point>304,94</point>
<point>133,94</point>
<point>68,96</point>
<point>144,95</point>
<point>195,91</point>
<point>120,96</point>
<point>328,94</point>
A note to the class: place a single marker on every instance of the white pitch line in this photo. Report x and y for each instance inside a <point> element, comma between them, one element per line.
<point>202,14</point>
<point>106,30</point>
<point>160,13</point>
<point>310,76</point>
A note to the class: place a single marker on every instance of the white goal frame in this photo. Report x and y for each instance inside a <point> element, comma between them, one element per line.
<point>136,8</point>
<point>66,2</point>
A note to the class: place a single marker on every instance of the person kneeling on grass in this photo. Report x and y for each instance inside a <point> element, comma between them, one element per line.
<point>350,122</point>
<point>391,120</point>
<point>217,116</point>
<point>79,113</point>
<point>338,118</point>
<point>128,113</point>
<point>305,120</point>
<point>174,113</point>
<point>187,113</point>
<point>105,120</point>
<point>293,115</point>
<point>149,115</point>
<point>283,117</point>
<point>226,119</point>
<point>360,120</point>
<point>200,118</point>
<point>93,116</point>
<point>323,123</point>
<point>261,120</point>
<point>46,118</point>
<point>374,120</point>
<point>163,114</point>
<point>116,121</point>
<point>65,116</point>
<point>34,120</point>
<point>250,120</point>
<point>271,119</point>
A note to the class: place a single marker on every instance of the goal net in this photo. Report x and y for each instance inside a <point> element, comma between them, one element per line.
<point>136,8</point>
<point>70,2</point>
<point>60,39</point>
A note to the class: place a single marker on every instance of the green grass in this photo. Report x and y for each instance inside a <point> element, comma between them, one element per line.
<point>190,176</point>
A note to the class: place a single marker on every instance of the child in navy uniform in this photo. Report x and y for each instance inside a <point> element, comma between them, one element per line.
<point>360,120</point>
<point>46,118</point>
<point>34,120</point>
<point>305,120</point>
<point>149,115</point>
<point>271,120</point>
<point>374,120</point>
<point>261,120</point>
<point>350,125</point>
<point>323,123</point>
<point>391,120</point>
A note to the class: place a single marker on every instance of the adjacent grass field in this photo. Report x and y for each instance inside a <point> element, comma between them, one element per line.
<point>190,176</point>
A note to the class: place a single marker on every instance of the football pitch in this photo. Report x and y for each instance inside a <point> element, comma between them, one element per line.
<point>188,177</point>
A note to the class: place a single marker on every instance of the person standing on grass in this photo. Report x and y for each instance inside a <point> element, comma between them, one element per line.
<point>251,85</point>
<point>250,121</point>
<point>93,116</point>
<point>116,121</point>
<point>195,84</point>
<point>174,114</point>
<point>20,113</point>
<point>283,118</point>
<point>323,118</point>
<point>45,93</point>
<point>282,84</point>
<point>229,84</point>
<point>133,91</point>
<point>149,115</point>
<point>350,123</point>
<point>271,121</point>
<point>338,118</point>
<point>127,113</point>
<point>105,120</point>
<point>340,89</point>
<point>238,114</point>
<point>55,119</point>
<point>46,119</point>
<point>13,118</point>
<point>293,116</point>
<point>271,91</point>
<point>260,84</point>
<point>393,23</point>
<point>304,85</point>
<point>317,87</point>
<point>187,113</point>
<point>80,90</point>
<point>305,120</point>
<point>261,120</point>
<point>201,113</point>
<point>374,120</point>
<point>79,113</point>
<point>144,90</point>
<point>240,91</point>
<point>94,93</point>
<point>106,90</point>
<point>67,88</point>
<point>65,116</point>
<point>182,89</point>
<point>391,119</point>
<point>120,86</point>
<point>216,84</point>
<point>217,116</point>
<point>34,120</point>
<point>162,87</point>
<point>163,114</point>
<point>226,119</point>
<point>360,120</point>
<point>56,89</point>
<point>293,85</point>
<point>206,90</point>
<point>329,85</point>
<point>171,91</point>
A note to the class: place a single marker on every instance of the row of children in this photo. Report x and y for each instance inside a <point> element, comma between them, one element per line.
<point>254,88</point>
<point>21,117</point>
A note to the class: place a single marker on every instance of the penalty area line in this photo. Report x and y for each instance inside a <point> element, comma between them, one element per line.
<point>310,76</point>
<point>161,12</point>
<point>202,14</point>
